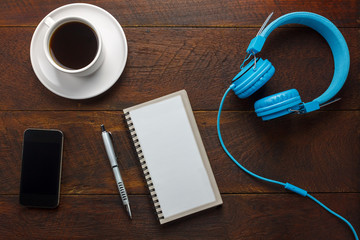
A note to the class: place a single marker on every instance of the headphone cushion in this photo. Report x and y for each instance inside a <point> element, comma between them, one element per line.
<point>260,81</point>
<point>277,104</point>
<point>252,80</point>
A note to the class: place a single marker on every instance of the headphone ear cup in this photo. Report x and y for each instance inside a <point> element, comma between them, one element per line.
<point>278,104</point>
<point>249,80</point>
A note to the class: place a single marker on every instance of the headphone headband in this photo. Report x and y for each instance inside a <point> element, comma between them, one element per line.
<point>331,34</point>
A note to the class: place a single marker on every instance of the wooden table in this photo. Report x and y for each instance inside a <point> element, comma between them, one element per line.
<point>197,46</point>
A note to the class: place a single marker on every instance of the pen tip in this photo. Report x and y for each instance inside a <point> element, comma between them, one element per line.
<point>129,211</point>
<point>102,127</point>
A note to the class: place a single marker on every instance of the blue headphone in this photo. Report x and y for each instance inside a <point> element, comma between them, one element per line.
<point>258,71</point>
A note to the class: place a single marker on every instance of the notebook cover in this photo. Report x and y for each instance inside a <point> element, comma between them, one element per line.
<point>162,173</point>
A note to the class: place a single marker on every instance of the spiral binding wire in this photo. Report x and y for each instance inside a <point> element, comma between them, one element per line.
<point>144,166</point>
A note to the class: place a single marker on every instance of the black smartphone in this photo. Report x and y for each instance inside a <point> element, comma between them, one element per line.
<point>41,168</point>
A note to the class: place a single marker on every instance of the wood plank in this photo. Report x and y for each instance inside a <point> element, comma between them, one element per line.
<point>202,61</point>
<point>186,13</point>
<point>284,216</point>
<point>318,152</point>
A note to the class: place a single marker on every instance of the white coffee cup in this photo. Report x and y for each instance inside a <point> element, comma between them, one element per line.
<point>84,71</point>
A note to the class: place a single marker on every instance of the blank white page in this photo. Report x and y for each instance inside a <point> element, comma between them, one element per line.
<point>172,156</point>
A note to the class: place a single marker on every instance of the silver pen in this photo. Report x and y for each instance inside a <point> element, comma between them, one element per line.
<point>112,157</point>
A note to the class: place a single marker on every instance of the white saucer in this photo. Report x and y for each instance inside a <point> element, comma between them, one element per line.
<point>114,47</point>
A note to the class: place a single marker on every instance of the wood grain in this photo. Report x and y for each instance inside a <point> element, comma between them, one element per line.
<point>245,216</point>
<point>186,13</point>
<point>318,152</point>
<point>202,61</point>
<point>195,45</point>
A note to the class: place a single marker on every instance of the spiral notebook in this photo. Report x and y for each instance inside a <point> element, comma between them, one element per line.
<point>172,156</point>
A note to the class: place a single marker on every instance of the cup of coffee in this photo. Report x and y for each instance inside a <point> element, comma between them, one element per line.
<point>73,45</point>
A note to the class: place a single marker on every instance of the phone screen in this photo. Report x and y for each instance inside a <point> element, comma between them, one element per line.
<point>41,168</point>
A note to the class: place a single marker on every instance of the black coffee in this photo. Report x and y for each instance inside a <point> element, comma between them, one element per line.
<point>73,45</point>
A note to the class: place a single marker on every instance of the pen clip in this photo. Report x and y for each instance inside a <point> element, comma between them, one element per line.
<point>112,141</point>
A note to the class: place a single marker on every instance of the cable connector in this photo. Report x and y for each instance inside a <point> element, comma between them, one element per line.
<point>295,189</point>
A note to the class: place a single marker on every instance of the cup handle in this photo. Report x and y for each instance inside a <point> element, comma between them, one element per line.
<point>49,21</point>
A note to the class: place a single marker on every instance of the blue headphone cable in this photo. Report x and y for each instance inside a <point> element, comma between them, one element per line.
<point>287,186</point>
